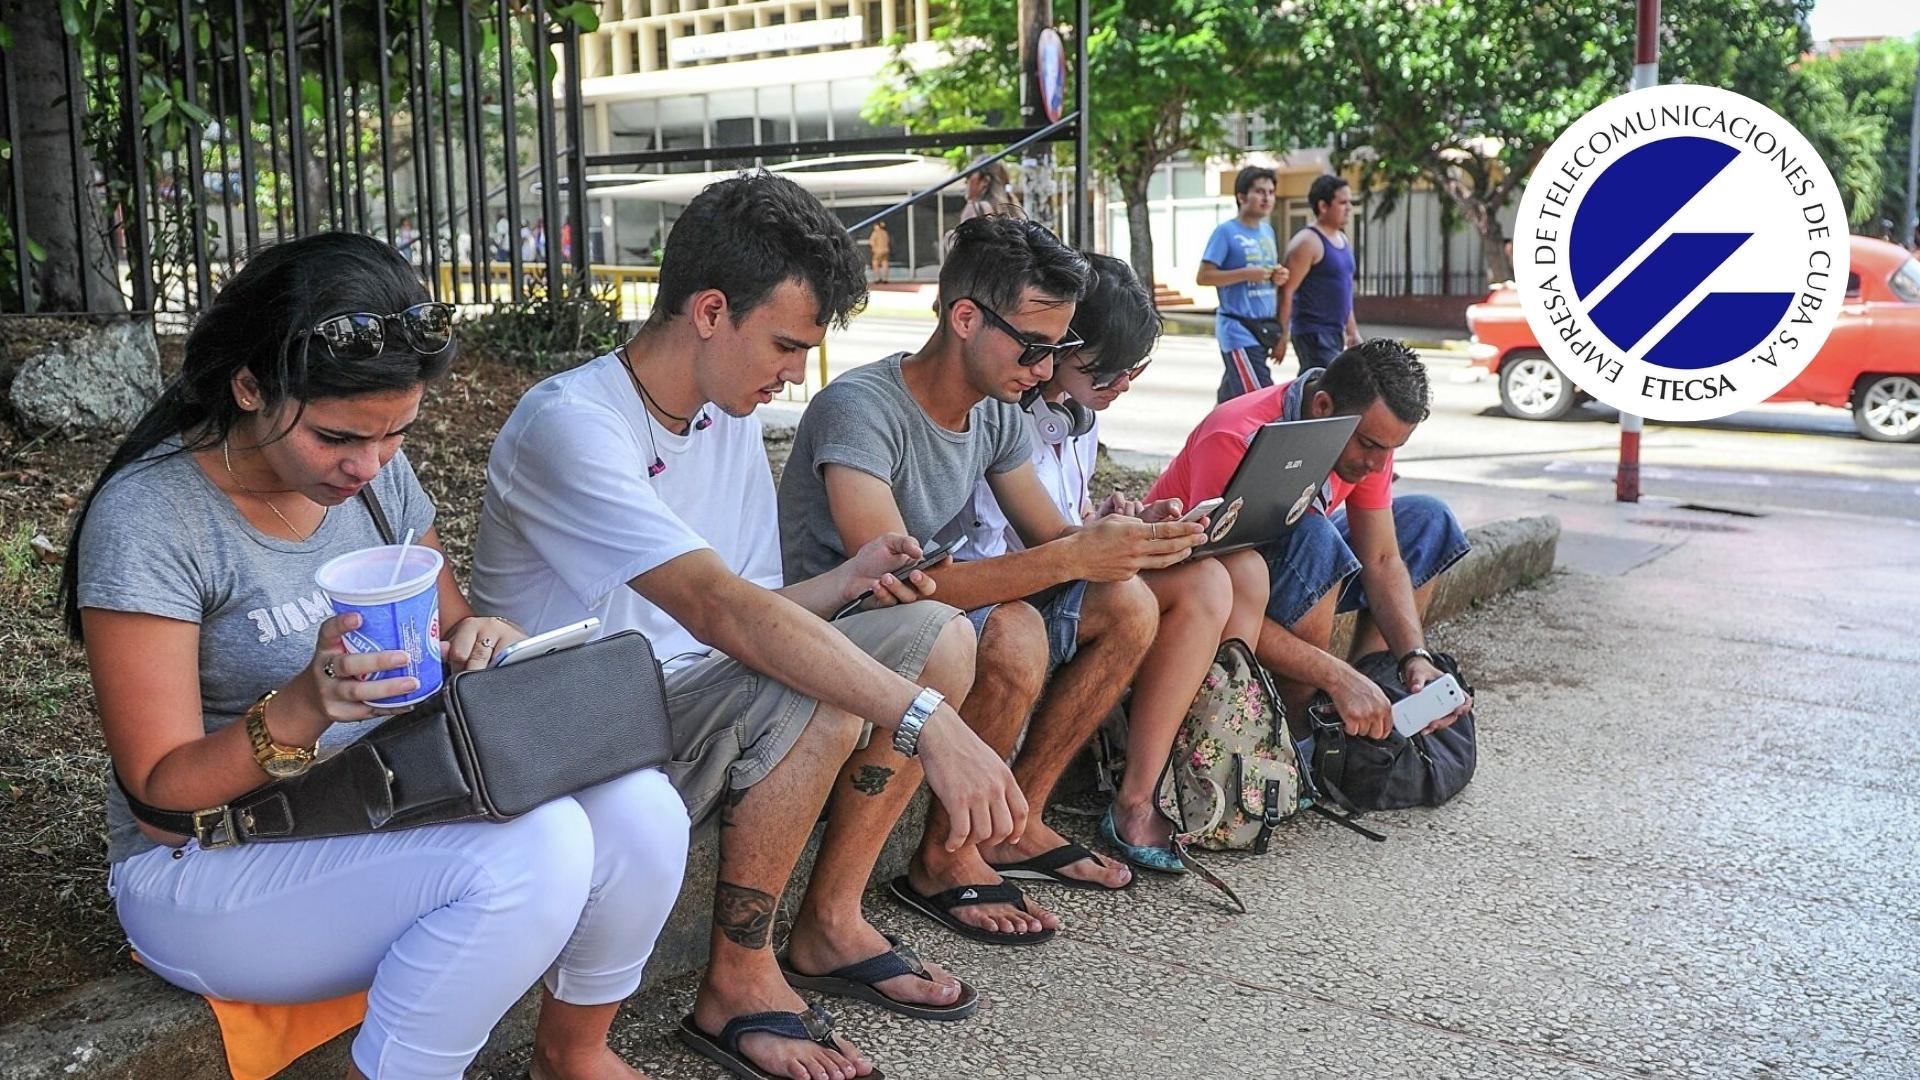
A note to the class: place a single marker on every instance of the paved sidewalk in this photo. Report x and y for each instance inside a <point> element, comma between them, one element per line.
<point>1689,852</point>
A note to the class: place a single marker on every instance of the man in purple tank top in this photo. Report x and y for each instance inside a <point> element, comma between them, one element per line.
<point>1316,306</point>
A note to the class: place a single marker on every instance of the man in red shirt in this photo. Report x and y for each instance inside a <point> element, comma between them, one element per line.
<point>1367,550</point>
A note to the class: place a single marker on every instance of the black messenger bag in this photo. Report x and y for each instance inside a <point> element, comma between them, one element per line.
<point>1393,773</point>
<point>492,745</point>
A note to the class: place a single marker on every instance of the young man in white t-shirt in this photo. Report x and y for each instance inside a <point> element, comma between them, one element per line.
<point>635,488</point>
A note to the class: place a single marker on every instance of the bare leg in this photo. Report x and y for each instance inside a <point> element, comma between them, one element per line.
<point>1009,671</point>
<point>1117,624</point>
<point>1366,636</point>
<point>761,833</point>
<point>570,1043</point>
<point>1195,599</point>
<point>873,790</point>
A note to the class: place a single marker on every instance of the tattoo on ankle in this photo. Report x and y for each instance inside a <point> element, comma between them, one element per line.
<point>744,915</point>
<point>871,779</point>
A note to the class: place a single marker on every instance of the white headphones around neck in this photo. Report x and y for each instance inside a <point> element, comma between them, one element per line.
<point>1057,422</point>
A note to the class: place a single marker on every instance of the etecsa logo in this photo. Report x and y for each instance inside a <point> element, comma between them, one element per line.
<point>1681,252</point>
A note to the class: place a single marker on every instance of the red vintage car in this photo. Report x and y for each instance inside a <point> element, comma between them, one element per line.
<point>1871,363</point>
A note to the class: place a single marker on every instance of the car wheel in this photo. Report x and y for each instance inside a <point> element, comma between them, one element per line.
<point>1886,408</point>
<point>1532,388</point>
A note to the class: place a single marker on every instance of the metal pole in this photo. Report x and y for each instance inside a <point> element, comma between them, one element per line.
<point>386,120</point>
<point>139,255</point>
<point>1646,72</point>
<point>510,145</point>
<point>243,89</point>
<point>543,111</point>
<point>1913,168</point>
<point>82,182</point>
<point>296,121</point>
<point>1082,79</point>
<point>453,176</point>
<point>482,264</point>
<point>576,162</point>
<point>196,175</point>
<point>17,196</point>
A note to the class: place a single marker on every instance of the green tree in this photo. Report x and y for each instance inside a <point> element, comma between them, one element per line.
<point>1466,95</point>
<point>1857,108</point>
<point>1168,78</point>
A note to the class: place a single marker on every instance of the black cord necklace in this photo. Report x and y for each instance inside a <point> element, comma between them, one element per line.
<point>627,362</point>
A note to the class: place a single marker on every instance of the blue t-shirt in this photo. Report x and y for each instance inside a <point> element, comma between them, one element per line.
<point>1233,246</point>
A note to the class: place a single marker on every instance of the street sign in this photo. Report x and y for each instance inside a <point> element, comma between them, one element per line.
<point>1050,61</point>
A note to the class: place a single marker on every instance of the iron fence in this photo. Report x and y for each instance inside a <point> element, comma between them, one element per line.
<point>200,129</point>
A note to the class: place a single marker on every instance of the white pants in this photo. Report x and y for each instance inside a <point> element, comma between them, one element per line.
<point>447,924</point>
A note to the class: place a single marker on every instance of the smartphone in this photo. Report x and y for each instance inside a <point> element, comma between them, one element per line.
<point>1202,509</point>
<point>929,557</point>
<point>552,641</point>
<point>1412,714</point>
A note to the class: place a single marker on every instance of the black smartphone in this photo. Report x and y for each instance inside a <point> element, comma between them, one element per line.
<point>929,557</point>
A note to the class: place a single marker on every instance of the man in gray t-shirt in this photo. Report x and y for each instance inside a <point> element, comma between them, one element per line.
<point>867,420</point>
<point>898,446</point>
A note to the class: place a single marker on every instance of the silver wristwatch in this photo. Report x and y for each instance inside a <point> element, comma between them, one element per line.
<point>906,737</point>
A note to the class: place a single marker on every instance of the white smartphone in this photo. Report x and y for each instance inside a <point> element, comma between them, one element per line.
<point>1412,714</point>
<point>1202,509</point>
<point>929,557</point>
<point>566,637</point>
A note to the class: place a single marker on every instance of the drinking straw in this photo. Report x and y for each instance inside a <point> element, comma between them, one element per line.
<point>400,560</point>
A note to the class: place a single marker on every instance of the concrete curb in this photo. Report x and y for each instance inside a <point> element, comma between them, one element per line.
<point>134,1027</point>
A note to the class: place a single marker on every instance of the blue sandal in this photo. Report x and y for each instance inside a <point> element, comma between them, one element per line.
<point>724,1049</point>
<point>1159,859</point>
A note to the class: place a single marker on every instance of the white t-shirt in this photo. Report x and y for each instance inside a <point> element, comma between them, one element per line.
<point>1065,471</point>
<point>571,515</point>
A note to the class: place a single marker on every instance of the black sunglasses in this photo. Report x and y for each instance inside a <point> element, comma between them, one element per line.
<point>362,335</point>
<point>1102,382</point>
<point>1031,351</point>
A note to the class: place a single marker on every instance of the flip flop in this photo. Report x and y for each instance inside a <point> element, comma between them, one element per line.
<point>939,907</point>
<point>857,981</point>
<point>724,1049</point>
<point>1046,867</point>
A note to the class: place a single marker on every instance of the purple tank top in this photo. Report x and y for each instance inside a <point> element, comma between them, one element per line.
<point>1324,297</point>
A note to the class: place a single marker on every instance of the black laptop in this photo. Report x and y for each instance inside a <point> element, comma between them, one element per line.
<point>1276,482</point>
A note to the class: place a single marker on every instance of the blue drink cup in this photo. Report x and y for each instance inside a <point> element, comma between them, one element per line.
<point>403,616</point>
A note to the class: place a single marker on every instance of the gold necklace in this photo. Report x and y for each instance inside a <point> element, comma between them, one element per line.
<point>226,457</point>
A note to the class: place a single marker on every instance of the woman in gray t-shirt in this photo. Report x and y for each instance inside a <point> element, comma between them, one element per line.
<point>190,579</point>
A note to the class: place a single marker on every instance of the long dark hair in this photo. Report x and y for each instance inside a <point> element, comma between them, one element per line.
<point>260,321</point>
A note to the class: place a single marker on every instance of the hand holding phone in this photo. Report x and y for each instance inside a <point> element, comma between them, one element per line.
<point>1439,698</point>
<point>1202,509</point>
<point>929,558</point>
<point>566,637</point>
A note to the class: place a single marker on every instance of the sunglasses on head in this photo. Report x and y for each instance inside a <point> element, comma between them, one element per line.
<point>1031,351</point>
<point>362,335</point>
<point>1105,381</point>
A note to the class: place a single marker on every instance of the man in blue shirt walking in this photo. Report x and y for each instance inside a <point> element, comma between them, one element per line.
<point>1317,309</point>
<point>1242,262</point>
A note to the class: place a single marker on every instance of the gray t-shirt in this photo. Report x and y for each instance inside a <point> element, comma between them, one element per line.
<point>868,420</point>
<point>162,540</point>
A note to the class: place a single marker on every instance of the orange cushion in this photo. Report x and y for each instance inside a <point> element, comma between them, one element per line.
<point>261,1040</point>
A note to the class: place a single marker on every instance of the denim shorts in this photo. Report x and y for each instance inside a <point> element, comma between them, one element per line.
<point>1317,348</point>
<point>1060,609</point>
<point>1316,556</point>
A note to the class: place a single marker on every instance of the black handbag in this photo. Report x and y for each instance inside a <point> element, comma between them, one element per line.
<point>1394,773</point>
<point>492,745</point>
<point>1267,332</point>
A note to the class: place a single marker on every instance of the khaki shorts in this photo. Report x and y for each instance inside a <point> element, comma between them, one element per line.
<point>732,725</point>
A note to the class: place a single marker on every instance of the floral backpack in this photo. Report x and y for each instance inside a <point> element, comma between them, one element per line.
<point>1233,774</point>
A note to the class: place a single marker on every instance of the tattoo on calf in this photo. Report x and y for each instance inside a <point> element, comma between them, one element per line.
<point>871,779</point>
<point>744,915</point>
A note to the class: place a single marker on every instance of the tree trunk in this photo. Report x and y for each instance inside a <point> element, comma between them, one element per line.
<point>1133,188</point>
<point>1481,208</point>
<point>58,209</point>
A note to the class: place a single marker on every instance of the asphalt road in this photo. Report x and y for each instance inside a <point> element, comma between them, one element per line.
<point>1775,457</point>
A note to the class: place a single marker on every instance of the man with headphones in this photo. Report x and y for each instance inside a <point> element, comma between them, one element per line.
<point>899,445</point>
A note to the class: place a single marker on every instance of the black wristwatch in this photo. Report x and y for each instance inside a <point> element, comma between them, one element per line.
<point>1400,665</point>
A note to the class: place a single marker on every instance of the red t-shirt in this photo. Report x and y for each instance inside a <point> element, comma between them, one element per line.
<point>1203,467</point>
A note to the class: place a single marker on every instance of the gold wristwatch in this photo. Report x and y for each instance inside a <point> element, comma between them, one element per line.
<point>275,760</point>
